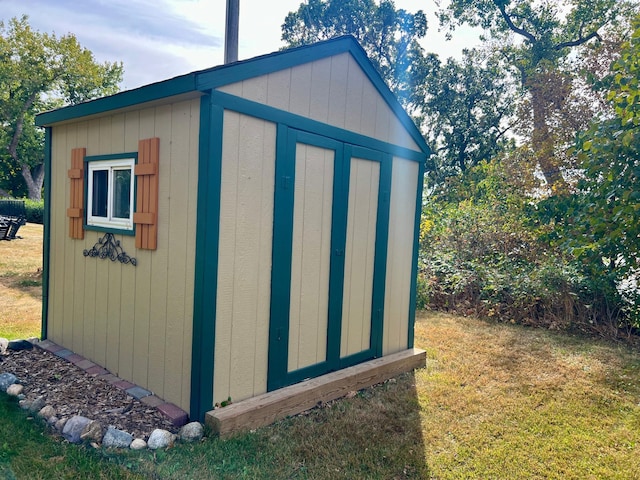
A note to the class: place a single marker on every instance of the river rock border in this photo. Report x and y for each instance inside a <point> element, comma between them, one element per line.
<point>78,429</point>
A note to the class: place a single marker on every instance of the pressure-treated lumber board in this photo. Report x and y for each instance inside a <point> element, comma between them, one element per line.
<point>267,408</point>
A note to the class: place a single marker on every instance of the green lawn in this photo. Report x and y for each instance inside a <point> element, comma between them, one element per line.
<point>495,401</point>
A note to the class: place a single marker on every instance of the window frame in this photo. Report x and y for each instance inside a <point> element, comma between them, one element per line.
<point>111,163</point>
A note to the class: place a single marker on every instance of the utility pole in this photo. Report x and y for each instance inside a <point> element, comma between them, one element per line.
<point>231,31</point>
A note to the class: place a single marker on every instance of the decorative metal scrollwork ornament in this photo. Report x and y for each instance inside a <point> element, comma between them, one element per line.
<point>109,247</point>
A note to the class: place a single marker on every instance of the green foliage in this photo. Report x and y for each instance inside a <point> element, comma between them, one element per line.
<point>599,224</point>
<point>34,211</point>
<point>483,252</point>
<point>468,109</point>
<point>39,71</point>
<point>389,36</point>
<point>546,34</point>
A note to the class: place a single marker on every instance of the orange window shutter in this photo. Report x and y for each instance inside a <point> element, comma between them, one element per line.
<point>146,214</point>
<point>75,212</point>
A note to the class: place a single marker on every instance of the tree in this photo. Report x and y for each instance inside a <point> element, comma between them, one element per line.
<point>608,201</point>
<point>389,36</point>
<point>469,109</point>
<point>547,33</point>
<point>39,71</point>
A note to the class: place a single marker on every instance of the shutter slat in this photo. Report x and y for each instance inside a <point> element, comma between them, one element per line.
<point>75,211</point>
<point>146,171</point>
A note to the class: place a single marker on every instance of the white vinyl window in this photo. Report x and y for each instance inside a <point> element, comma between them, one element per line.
<point>110,193</point>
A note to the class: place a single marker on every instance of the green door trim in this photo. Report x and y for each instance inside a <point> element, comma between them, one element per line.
<point>278,375</point>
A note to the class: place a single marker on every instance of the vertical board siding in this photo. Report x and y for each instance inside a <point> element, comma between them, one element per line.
<point>311,255</point>
<point>126,318</point>
<point>244,265</point>
<point>333,90</point>
<point>359,256</point>
<point>404,181</point>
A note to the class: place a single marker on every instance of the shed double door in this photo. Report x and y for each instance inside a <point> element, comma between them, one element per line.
<point>330,231</point>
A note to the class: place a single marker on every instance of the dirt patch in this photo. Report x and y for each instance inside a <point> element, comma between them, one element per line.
<point>72,391</point>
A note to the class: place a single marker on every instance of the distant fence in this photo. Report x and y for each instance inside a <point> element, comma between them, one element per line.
<point>12,208</point>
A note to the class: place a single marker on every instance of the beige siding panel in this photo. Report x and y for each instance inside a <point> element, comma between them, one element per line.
<point>126,318</point>
<point>177,261</point>
<point>128,285</point>
<point>311,255</point>
<point>359,256</point>
<point>333,90</point>
<point>160,260</point>
<point>338,90</point>
<point>300,94</point>
<point>244,265</point>
<point>400,255</point>
<point>319,90</point>
<point>279,84</point>
<point>80,267</point>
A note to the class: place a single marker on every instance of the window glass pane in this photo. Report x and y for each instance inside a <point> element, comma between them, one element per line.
<point>100,192</point>
<point>122,193</point>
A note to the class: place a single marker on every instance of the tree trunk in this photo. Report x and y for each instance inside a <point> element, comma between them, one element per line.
<point>34,180</point>
<point>542,140</point>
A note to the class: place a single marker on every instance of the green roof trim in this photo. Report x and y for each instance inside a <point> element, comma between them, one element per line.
<point>206,80</point>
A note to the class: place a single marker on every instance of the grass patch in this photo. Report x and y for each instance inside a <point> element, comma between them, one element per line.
<point>21,284</point>
<point>495,401</point>
<point>27,452</point>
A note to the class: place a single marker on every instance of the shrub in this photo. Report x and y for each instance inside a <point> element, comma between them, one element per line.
<point>34,211</point>
<point>483,252</point>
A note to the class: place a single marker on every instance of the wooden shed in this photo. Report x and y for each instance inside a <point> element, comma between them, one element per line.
<point>236,230</point>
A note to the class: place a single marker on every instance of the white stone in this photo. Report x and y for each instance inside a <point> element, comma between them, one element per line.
<point>60,424</point>
<point>160,439</point>
<point>47,412</point>
<point>4,343</point>
<point>138,444</point>
<point>15,389</point>
<point>191,432</point>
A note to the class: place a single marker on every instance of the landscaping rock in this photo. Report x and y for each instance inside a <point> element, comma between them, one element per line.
<point>115,438</point>
<point>18,345</point>
<point>59,425</point>
<point>47,412</point>
<point>92,432</point>
<point>160,439</point>
<point>191,432</point>
<point>7,379</point>
<point>37,404</point>
<point>33,340</point>
<point>25,404</point>
<point>138,444</point>
<point>15,389</point>
<point>51,421</point>
<point>4,343</point>
<point>74,427</point>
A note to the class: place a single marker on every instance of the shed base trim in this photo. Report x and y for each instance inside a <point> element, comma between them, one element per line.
<point>272,406</point>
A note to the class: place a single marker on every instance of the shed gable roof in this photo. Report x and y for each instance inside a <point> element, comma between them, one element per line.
<point>219,76</point>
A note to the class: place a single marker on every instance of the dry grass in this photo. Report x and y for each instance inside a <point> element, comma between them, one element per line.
<point>21,284</point>
<point>503,401</point>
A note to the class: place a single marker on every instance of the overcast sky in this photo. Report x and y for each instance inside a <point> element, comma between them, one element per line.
<point>160,39</point>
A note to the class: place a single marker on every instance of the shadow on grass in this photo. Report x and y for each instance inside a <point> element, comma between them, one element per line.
<point>377,434</point>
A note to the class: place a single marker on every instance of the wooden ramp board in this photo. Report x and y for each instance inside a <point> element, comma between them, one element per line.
<point>272,406</point>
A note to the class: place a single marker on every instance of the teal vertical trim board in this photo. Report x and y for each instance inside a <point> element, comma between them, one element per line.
<point>206,257</point>
<point>339,212</point>
<point>47,232</point>
<point>416,250</point>
<point>281,258</point>
<point>381,252</point>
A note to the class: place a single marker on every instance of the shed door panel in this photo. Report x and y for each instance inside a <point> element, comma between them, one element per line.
<point>359,256</point>
<point>310,256</point>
